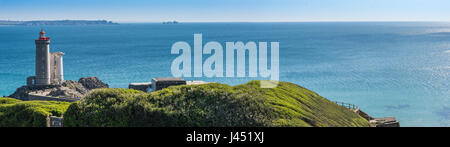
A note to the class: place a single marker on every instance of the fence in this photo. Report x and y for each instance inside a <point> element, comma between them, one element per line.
<point>347,105</point>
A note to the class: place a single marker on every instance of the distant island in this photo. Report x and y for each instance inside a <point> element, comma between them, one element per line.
<point>171,22</point>
<point>57,22</point>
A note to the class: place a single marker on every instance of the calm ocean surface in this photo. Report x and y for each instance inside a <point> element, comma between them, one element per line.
<point>387,69</point>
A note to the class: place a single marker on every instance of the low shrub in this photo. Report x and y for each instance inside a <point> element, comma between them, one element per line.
<point>16,113</point>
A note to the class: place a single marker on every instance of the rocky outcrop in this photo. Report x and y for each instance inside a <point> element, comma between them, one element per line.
<point>378,122</point>
<point>67,91</point>
<point>363,114</point>
<point>92,83</point>
<point>384,122</point>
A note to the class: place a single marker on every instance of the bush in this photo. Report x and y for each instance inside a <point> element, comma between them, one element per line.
<point>6,100</point>
<point>16,113</point>
<point>213,104</point>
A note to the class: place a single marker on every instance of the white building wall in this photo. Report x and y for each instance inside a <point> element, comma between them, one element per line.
<point>60,72</point>
<point>56,65</point>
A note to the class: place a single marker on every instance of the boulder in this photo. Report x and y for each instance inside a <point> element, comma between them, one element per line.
<point>92,83</point>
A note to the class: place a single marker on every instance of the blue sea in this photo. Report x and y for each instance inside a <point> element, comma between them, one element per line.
<point>399,69</point>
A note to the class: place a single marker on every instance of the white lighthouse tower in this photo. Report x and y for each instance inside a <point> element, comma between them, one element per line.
<point>49,66</point>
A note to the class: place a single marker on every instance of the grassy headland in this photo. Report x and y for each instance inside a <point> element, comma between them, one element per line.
<point>209,105</point>
<point>213,104</point>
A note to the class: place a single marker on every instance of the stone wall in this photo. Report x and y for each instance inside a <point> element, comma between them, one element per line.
<point>53,121</point>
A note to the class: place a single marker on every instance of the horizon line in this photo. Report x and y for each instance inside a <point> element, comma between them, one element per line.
<point>439,21</point>
<point>277,21</point>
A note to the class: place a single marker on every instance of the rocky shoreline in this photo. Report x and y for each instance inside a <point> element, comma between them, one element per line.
<point>67,91</point>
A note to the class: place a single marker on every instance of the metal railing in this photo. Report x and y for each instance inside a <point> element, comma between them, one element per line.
<point>346,105</point>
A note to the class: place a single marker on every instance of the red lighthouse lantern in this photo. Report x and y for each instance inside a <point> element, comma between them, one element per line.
<point>42,35</point>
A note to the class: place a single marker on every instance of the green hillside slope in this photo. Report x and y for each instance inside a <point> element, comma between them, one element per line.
<point>210,105</point>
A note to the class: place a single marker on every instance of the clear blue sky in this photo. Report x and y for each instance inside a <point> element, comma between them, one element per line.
<point>227,10</point>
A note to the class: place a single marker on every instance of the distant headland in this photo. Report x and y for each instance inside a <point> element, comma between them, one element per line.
<point>57,22</point>
<point>171,22</point>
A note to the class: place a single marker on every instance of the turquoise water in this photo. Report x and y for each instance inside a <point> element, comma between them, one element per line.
<point>387,69</point>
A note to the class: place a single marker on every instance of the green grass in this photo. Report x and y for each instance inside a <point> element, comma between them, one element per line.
<point>6,100</point>
<point>16,113</point>
<point>298,106</point>
<point>213,104</point>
